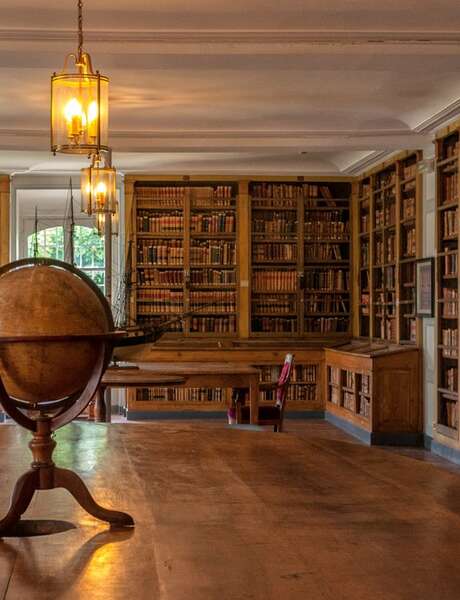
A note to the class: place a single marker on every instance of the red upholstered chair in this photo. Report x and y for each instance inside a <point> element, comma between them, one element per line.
<point>269,415</point>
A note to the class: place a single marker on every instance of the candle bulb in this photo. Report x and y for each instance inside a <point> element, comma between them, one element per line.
<point>101,195</point>
<point>74,118</point>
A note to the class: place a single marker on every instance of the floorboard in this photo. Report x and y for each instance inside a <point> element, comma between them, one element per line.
<point>235,515</point>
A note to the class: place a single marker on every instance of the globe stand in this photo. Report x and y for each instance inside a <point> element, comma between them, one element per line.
<point>44,475</point>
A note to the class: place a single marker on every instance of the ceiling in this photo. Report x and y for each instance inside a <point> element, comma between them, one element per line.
<point>235,87</point>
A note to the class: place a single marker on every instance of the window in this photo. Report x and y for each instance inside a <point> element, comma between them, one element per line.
<point>89,253</point>
<point>50,243</point>
<point>88,249</point>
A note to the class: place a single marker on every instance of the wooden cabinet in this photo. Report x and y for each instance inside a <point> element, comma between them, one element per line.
<point>373,392</point>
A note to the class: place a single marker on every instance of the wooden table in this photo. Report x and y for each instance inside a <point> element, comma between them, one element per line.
<point>187,374</point>
<point>125,378</point>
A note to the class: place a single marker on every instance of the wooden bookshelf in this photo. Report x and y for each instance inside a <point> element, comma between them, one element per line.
<point>300,259</point>
<point>447,284</point>
<point>388,242</point>
<point>304,391</point>
<point>373,391</point>
<point>185,256</point>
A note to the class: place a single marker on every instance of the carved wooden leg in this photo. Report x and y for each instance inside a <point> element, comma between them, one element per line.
<point>20,500</point>
<point>99,405</point>
<point>73,484</point>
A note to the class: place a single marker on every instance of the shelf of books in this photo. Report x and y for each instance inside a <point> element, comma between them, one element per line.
<point>303,387</point>
<point>304,393</point>
<point>186,257</point>
<point>300,259</point>
<point>389,243</point>
<point>447,315</point>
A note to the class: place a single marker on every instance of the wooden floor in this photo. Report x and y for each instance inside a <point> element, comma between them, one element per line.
<point>237,515</point>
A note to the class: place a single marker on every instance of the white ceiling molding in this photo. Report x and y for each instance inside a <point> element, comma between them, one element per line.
<point>235,42</point>
<point>367,162</point>
<point>303,36</point>
<point>428,126</point>
<point>440,119</point>
<point>137,141</point>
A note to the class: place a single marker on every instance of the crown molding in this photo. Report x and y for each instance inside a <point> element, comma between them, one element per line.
<point>237,36</point>
<point>263,142</point>
<point>367,162</point>
<point>439,119</point>
<point>231,134</point>
<point>426,127</point>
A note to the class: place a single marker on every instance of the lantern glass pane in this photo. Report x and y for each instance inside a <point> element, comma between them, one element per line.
<point>98,190</point>
<point>85,184</point>
<point>79,113</point>
<point>103,190</point>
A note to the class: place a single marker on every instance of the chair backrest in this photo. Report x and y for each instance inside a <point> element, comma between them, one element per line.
<point>283,381</point>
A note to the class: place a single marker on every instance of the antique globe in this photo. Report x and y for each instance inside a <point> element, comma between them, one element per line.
<point>56,338</point>
<point>49,299</point>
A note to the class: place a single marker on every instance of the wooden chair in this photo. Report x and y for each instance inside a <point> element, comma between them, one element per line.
<point>270,415</point>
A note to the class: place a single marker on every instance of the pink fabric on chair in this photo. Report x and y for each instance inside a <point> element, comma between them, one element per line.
<point>283,379</point>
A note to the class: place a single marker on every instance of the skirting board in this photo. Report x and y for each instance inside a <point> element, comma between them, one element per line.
<point>377,438</point>
<point>135,415</point>
<point>446,452</point>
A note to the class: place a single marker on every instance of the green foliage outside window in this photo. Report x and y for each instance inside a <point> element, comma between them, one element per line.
<point>88,249</point>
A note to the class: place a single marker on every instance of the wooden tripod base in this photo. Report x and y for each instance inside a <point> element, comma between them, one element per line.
<point>44,475</point>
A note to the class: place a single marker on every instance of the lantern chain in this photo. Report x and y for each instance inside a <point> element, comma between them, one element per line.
<point>80,28</point>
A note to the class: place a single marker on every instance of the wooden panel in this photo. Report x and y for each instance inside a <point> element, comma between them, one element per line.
<point>244,233</point>
<point>4,219</point>
<point>395,410</point>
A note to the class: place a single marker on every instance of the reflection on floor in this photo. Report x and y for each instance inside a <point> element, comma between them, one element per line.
<point>310,514</point>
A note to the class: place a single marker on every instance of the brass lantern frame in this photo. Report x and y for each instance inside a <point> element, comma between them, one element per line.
<point>99,172</point>
<point>84,89</point>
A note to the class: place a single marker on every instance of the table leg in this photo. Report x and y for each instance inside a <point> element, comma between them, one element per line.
<point>100,411</point>
<point>254,400</point>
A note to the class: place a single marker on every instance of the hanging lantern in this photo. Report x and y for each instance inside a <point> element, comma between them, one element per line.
<point>98,188</point>
<point>79,104</point>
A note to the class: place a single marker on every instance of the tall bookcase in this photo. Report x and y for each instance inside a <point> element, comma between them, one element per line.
<point>388,244</point>
<point>185,256</point>
<point>300,259</point>
<point>447,284</point>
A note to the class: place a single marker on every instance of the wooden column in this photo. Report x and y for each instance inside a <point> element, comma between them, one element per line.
<point>244,246</point>
<point>4,219</point>
<point>355,283</point>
